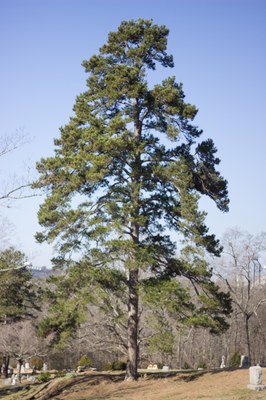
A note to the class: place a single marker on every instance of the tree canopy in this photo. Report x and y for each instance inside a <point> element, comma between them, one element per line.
<point>123,186</point>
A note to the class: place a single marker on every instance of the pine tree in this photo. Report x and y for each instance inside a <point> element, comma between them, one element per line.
<point>17,292</point>
<point>129,169</point>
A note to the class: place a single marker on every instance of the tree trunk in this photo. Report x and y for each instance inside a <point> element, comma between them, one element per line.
<point>5,365</point>
<point>247,338</point>
<point>20,362</point>
<point>133,296</point>
<point>133,300</point>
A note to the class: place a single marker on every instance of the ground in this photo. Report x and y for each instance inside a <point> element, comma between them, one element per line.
<point>215,385</point>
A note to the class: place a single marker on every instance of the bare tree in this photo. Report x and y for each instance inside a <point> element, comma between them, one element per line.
<point>240,268</point>
<point>20,342</point>
<point>14,187</point>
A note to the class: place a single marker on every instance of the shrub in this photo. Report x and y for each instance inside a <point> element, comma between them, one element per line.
<point>61,373</point>
<point>234,361</point>
<point>85,362</point>
<point>36,362</point>
<point>119,365</point>
<point>187,366</point>
<point>44,376</point>
<point>107,366</point>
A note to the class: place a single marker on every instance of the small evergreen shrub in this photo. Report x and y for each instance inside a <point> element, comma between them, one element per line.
<point>85,362</point>
<point>119,366</point>
<point>61,373</point>
<point>234,361</point>
<point>44,376</point>
<point>107,366</point>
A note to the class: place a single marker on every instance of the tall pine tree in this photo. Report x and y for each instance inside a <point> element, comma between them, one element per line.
<point>129,169</point>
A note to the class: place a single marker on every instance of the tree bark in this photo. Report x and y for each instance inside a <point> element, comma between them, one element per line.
<point>247,338</point>
<point>133,300</point>
<point>6,360</point>
<point>133,296</point>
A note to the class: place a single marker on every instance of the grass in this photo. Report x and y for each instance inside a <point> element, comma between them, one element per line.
<point>212,385</point>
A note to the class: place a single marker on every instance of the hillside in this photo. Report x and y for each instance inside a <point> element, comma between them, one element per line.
<point>216,385</point>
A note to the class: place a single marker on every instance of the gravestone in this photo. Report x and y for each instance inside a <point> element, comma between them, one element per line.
<point>165,368</point>
<point>45,367</point>
<point>255,379</point>
<point>152,366</point>
<point>27,365</point>
<point>223,362</point>
<point>244,362</point>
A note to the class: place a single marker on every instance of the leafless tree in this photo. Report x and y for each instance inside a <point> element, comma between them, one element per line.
<point>240,269</point>
<point>14,187</point>
<point>19,341</point>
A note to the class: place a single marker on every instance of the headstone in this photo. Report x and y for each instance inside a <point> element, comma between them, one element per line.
<point>255,378</point>
<point>165,368</point>
<point>27,365</point>
<point>14,380</point>
<point>223,362</point>
<point>244,362</point>
<point>152,366</point>
<point>7,381</point>
<point>22,369</point>
<point>45,367</point>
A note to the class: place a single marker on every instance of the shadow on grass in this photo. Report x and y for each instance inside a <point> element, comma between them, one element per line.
<point>55,387</point>
<point>187,375</point>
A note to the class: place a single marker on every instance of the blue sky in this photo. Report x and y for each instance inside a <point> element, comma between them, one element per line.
<point>219,48</point>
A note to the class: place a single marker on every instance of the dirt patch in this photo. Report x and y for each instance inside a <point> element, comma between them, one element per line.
<point>216,385</point>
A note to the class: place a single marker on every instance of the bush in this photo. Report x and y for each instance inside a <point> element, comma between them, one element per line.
<point>234,361</point>
<point>119,366</point>
<point>44,376</point>
<point>85,362</point>
<point>36,362</point>
<point>107,366</point>
<point>60,373</point>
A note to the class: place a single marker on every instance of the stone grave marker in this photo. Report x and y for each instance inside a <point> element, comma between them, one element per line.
<point>255,379</point>
<point>152,366</point>
<point>244,363</point>
<point>223,362</point>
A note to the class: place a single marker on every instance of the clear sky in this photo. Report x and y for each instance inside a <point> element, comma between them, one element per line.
<point>219,48</point>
